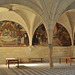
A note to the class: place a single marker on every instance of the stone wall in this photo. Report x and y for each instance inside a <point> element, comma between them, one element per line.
<point>61,51</point>
<point>36,51</point>
<point>74,52</point>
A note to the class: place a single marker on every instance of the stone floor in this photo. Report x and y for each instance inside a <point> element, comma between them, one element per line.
<point>38,69</point>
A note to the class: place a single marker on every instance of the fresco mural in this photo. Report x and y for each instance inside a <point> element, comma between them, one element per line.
<point>40,36</point>
<point>74,39</point>
<point>60,36</point>
<point>12,34</point>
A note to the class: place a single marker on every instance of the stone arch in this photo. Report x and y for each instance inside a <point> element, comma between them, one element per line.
<point>70,7</point>
<point>66,24</point>
<point>62,9</point>
<point>28,4</point>
<point>38,26</point>
<point>20,20</point>
<point>70,26</point>
<point>67,30</point>
<point>10,18</point>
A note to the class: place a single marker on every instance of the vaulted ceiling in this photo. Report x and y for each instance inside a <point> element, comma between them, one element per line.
<point>31,13</point>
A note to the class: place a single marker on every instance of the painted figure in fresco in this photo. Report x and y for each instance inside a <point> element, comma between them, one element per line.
<point>22,40</point>
<point>11,33</point>
<point>16,34</point>
<point>0,33</point>
<point>40,36</point>
<point>40,40</point>
<point>35,40</point>
<point>5,32</point>
<point>61,36</point>
<point>26,41</point>
<point>18,40</point>
<point>56,41</point>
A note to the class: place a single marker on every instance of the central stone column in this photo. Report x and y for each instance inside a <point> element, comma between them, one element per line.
<point>50,37</point>
<point>50,58</point>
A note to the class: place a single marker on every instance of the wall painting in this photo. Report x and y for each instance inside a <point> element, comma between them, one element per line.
<point>12,34</point>
<point>61,36</point>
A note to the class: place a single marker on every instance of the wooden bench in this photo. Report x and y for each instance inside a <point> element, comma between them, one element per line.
<point>70,58</point>
<point>41,59</point>
<point>14,60</point>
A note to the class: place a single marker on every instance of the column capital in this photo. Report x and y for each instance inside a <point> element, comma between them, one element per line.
<point>50,45</point>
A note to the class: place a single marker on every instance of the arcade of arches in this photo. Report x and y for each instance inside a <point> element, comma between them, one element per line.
<point>37,28</point>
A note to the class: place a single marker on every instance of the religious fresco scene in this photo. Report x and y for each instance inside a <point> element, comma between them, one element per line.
<point>61,36</point>
<point>12,34</point>
<point>40,36</point>
<point>74,39</point>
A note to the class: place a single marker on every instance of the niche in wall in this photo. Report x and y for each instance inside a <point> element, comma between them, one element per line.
<point>12,34</point>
